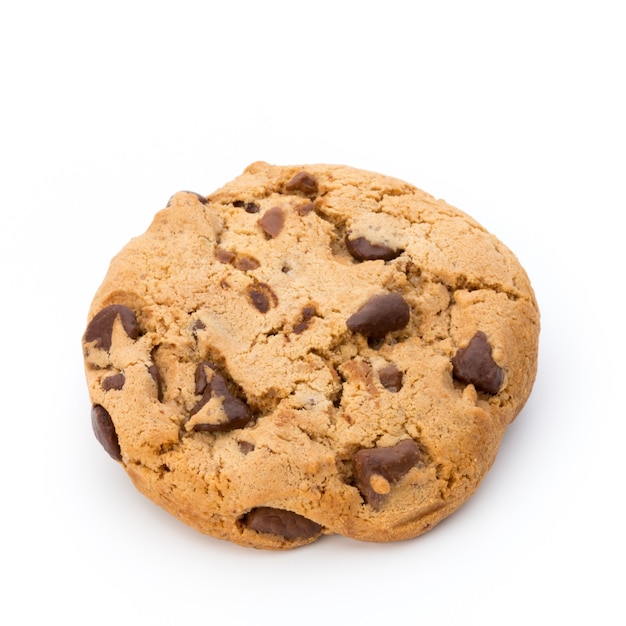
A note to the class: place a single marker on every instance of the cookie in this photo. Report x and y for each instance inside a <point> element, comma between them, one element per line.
<point>307,351</point>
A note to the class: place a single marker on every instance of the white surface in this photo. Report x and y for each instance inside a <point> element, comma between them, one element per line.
<point>514,112</point>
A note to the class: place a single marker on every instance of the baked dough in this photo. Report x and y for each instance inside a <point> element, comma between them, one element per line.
<point>310,350</point>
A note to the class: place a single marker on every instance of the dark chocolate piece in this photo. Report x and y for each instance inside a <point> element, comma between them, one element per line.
<point>362,250</point>
<point>236,410</point>
<point>201,378</point>
<point>375,468</point>
<point>224,256</point>
<point>305,209</point>
<point>114,382</point>
<point>287,524</point>
<point>245,447</point>
<point>156,377</point>
<point>249,207</point>
<point>262,297</point>
<point>304,182</point>
<point>272,221</point>
<point>100,329</point>
<point>198,325</point>
<point>245,262</point>
<point>390,378</point>
<point>307,315</point>
<point>380,315</point>
<point>259,300</point>
<point>475,365</point>
<point>104,430</point>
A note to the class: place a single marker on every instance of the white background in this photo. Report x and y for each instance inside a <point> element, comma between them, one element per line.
<point>511,111</point>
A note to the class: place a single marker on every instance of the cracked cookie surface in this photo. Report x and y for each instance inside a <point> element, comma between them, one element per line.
<point>310,350</point>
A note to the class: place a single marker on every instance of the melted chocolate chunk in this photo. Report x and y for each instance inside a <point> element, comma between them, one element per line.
<point>249,207</point>
<point>262,297</point>
<point>259,300</point>
<point>104,430</point>
<point>362,250</point>
<point>245,447</point>
<point>308,312</point>
<point>380,315</point>
<point>198,325</point>
<point>390,378</point>
<point>224,256</point>
<point>272,221</point>
<point>201,378</point>
<point>305,209</point>
<point>375,343</point>
<point>475,365</point>
<point>114,382</point>
<point>100,329</point>
<point>156,377</point>
<point>376,468</point>
<point>245,263</point>
<point>304,182</point>
<point>237,412</point>
<point>280,522</point>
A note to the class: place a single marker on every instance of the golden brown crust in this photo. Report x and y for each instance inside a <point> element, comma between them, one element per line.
<point>249,385</point>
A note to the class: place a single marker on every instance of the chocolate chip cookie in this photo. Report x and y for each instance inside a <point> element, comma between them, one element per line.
<point>307,351</point>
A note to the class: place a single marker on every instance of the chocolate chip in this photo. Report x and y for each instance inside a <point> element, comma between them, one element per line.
<point>390,378</point>
<point>380,315</point>
<point>249,207</point>
<point>362,250</point>
<point>272,221</point>
<point>262,297</point>
<point>114,382</point>
<point>259,300</point>
<point>305,209</point>
<point>376,468</point>
<point>201,379</point>
<point>287,524</point>
<point>156,377</point>
<point>198,325</point>
<point>104,430</point>
<point>224,256</point>
<point>245,447</point>
<point>375,343</point>
<point>100,329</point>
<point>245,263</point>
<point>308,312</point>
<point>237,412</point>
<point>475,365</point>
<point>304,182</point>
